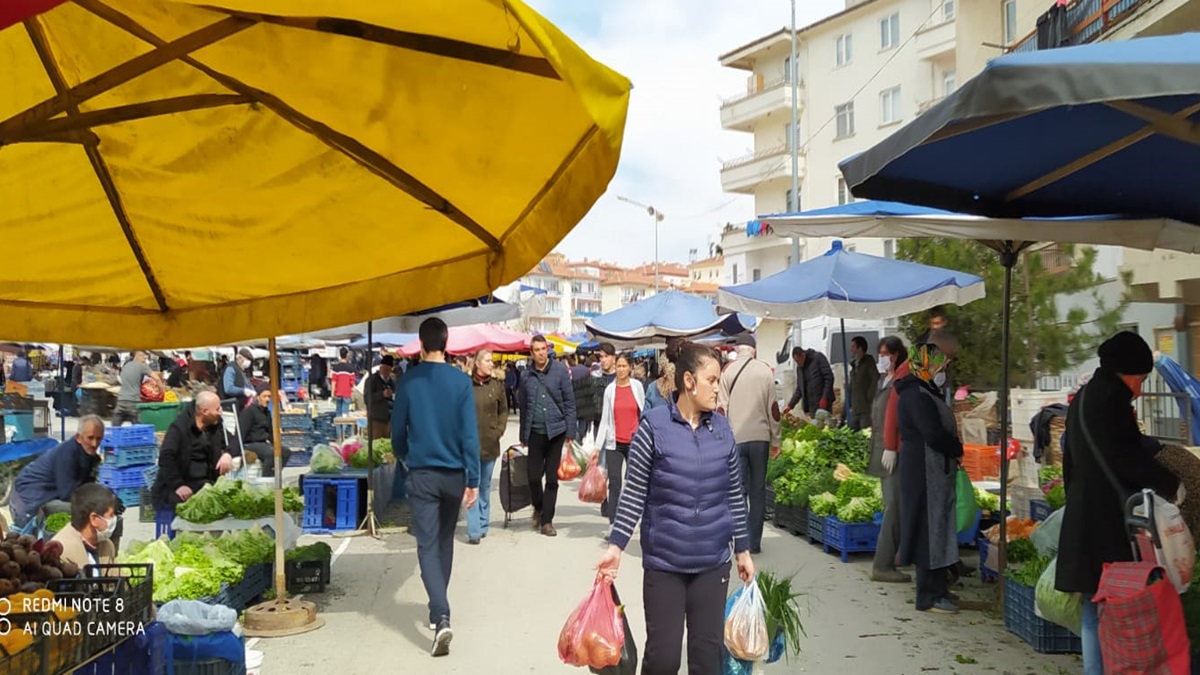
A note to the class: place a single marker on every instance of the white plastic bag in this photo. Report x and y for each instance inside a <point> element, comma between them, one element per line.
<point>1178,552</point>
<point>746,625</point>
<point>1045,537</point>
<point>192,617</point>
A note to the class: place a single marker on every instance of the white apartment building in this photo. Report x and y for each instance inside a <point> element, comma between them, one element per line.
<point>572,294</point>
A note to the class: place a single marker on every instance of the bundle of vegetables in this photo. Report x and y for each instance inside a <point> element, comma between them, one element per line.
<point>236,499</point>
<point>782,611</point>
<point>1029,573</point>
<point>317,551</point>
<point>1017,528</point>
<point>859,510</point>
<point>858,485</point>
<point>247,547</point>
<point>293,500</point>
<point>1056,497</point>
<point>195,570</point>
<point>252,502</point>
<point>57,521</point>
<point>824,504</point>
<point>26,564</point>
<point>1021,551</point>
<point>326,460</point>
<point>380,454</point>
<point>986,500</point>
<point>348,448</point>
<point>1048,475</point>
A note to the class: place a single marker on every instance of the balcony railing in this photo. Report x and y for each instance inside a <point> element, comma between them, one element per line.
<point>1088,20</point>
<point>755,87</point>
<point>780,149</point>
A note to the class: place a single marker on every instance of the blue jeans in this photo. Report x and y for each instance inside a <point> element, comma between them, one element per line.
<point>479,516</point>
<point>342,406</point>
<point>1093,659</point>
<point>434,498</point>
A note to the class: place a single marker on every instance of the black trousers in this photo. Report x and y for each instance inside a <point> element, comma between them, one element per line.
<point>754,456</point>
<point>673,600</point>
<point>266,456</point>
<point>932,583</point>
<point>545,454</point>
<point>614,464</point>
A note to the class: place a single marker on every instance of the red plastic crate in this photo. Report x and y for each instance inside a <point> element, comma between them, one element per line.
<point>982,462</point>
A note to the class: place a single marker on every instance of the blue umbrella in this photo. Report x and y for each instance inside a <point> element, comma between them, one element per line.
<point>1106,127</point>
<point>665,315</point>
<point>1182,382</point>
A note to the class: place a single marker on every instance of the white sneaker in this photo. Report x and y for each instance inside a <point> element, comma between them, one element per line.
<point>442,638</point>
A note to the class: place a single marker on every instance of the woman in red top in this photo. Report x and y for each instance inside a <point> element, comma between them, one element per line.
<point>624,401</point>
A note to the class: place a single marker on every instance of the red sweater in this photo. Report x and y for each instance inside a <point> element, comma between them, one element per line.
<point>891,425</point>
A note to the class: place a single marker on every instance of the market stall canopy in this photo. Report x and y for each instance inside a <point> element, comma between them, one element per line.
<point>470,339</point>
<point>561,344</point>
<point>887,220</point>
<point>848,285</point>
<point>1181,381</point>
<point>664,315</point>
<point>1107,127</point>
<point>373,157</point>
<point>486,309</point>
<point>385,340</point>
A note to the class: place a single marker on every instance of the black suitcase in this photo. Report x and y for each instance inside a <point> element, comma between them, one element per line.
<point>514,482</point>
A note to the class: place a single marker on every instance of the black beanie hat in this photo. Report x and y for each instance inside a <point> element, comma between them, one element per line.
<point>1126,353</point>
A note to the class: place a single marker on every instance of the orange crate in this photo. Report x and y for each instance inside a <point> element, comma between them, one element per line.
<point>982,462</point>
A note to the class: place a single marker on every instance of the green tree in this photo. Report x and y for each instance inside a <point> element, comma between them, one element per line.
<point>1044,341</point>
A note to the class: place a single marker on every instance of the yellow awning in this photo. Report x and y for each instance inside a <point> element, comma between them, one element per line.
<point>562,346</point>
<point>181,172</point>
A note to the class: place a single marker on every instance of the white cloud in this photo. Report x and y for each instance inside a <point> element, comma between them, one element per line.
<point>673,138</point>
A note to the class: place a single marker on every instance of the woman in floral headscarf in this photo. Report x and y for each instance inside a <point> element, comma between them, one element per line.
<point>929,457</point>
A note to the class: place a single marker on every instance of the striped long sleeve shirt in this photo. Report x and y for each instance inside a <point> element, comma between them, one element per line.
<point>685,487</point>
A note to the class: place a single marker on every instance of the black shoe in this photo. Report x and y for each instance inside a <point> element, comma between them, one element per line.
<point>442,638</point>
<point>473,542</point>
<point>756,551</point>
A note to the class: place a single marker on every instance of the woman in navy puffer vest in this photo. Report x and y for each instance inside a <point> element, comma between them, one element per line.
<point>683,482</point>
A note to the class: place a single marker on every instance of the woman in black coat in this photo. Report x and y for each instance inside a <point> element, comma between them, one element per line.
<point>1101,422</point>
<point>929,456</point>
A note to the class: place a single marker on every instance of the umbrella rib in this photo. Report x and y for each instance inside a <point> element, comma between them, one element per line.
<point>115,77</point>
<point>37,35</point>
<point>82,121</point>
<point>1101,153</point>
<point>350,147</point>
<point>418,42</point>
<point>1171,125</point>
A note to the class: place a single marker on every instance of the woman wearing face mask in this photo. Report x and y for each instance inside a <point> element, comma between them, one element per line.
<point>624,401</point>
<point>885,439</point>
<point>684,484</point>
<point>87,540</point>
<point>929,456</point>
<point>1101,422</point>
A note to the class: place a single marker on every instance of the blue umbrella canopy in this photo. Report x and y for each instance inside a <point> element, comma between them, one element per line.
<point>664,315</point>
<point>1107,127</point>
<point>1181,381</point>
<point>848,285</point>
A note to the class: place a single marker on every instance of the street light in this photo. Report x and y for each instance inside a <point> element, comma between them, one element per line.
<point>657,217</point>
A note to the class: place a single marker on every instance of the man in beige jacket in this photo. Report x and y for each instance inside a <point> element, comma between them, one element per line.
<point>87,540</point>
<point>747,397</point>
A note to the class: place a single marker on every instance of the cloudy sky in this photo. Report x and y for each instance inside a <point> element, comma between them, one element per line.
<point>673,138</point>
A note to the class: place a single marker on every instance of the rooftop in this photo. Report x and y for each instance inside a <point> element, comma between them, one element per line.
<point>743,57</point>
<point>715,261</point>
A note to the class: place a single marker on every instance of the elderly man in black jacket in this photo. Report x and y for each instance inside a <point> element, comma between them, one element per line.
<point>254,422</point>
<point>1106,460</point>
<point>814,382</point>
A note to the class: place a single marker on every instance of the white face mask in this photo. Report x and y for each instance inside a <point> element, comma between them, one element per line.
<point>884,364</point>
<point>940,379</point>
<point>110,524</point>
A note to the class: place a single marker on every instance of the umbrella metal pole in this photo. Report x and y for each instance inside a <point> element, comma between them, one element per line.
<point>1008,258</point>
<point>62,393</point>
<point>370,523</point>
<point>845,374</point>
<point>277,439</point>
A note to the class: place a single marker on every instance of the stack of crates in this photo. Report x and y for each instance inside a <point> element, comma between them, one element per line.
<point>128,452</point>
<point>296,434</point>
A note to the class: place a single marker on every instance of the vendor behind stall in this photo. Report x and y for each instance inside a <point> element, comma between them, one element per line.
<point>255,424</point>
<point>94,523</point>
<point>194,452</point>
<point>47,483</point>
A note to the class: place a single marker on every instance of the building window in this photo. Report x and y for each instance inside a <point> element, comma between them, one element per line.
<point>948,10</point>
<point>889,32</point>
<point>756,274</point>
<point>949,82</point>
<point>1010,21</point>
<point>735,279</point>
<point>889,102</point>
<point>889,248</point>
<point>845,119</point>
<point>845,49</point>
<point>843,192</point>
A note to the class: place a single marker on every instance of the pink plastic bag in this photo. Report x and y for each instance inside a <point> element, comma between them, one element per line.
<point>594,487</point>
<point>594,633</point>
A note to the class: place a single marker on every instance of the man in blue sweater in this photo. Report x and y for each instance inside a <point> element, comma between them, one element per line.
<point>46,484</point>
<point>435,434</point>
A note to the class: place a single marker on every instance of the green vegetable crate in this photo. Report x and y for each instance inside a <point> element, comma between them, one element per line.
<point>1021,620</point>
<point>816,528</point>
<point>158,414</point>
<point>848,538</point>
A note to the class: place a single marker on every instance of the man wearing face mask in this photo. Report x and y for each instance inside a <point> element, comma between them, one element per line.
<point>233,380</point>
<point>864,382</point>
<point>194,452</point>
<point>1102,430</point>
<point>87,539</point>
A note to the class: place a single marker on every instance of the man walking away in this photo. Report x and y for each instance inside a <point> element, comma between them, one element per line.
<point>814,382</point>
<point>864,383</point>
<point>341,382</point>
<point>132,373</point>
<point>548,421</point>
<point>434,432</point>
<point>586,403</point>
<point>747,395</point>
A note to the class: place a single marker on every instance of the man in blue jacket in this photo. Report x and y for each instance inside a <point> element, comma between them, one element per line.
<point>46,483</point>
<point>435,434</point>
<point>548,421</point>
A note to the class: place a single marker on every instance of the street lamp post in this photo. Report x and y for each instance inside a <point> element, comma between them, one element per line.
<point>656,217</point>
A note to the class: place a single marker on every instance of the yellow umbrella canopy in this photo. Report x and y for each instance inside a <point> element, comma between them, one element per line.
<point>179,172</point>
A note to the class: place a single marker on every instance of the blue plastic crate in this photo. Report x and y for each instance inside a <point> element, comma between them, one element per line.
<point>968,536</point>
<point>126,477</point>
<point>1021,620</point>
<point>300,458</point>
<point>149,475</point>
<point>330,504</point>
<point>130,496</point>
<point>162,521</point>
<point>129,436</point>
<point>1039,510</point>
<point>146,653</point>
<point>131,456</point>
<point>850,538</point>
<point>295,422</point>
<point>986,574</point>
<point>816,528</point>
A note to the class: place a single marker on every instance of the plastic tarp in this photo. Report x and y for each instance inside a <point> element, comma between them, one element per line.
<point>848,285</point>
<point>664,315</point>
<point>375,159</point>
<point>1182,382</point>
<point>470,339</point>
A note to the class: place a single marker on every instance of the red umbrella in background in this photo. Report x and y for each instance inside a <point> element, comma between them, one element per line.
<point>470,339</point>
<point>16,11</point>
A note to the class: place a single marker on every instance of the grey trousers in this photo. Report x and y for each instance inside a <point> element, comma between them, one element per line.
<point>889,532</point>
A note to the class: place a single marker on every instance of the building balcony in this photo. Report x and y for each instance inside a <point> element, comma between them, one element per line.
<point>1090,20</point>
<point>746,173</point>
<point>1163,276</point>
<point>762,98</point>
<point>937,40</point>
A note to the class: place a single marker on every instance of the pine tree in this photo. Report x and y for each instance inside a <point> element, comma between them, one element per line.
<point>1044,341</point>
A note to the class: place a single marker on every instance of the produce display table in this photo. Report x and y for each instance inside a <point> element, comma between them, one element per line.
<point>291,532</point>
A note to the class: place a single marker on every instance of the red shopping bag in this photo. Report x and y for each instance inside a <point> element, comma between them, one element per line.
<point>594,633</point>
<point>1142,631</point>
<point>593,489</point>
